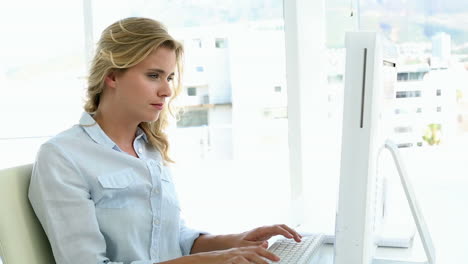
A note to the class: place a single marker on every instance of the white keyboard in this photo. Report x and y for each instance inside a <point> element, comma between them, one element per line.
<point>292,252</point>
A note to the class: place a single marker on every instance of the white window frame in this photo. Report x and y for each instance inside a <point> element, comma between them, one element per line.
<point>304,24</point>
<point>305,37</point>
<point>88,31</point>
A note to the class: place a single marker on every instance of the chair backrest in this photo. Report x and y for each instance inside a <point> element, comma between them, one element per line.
<point>22,239</point>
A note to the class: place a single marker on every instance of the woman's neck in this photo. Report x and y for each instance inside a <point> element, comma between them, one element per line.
<point>122,132</point>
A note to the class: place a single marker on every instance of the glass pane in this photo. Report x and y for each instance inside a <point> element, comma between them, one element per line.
<point>432,70</point>
<point>41,74</point>
<point>430,108</point>
<point>230,144</point>
<point>320,214</point>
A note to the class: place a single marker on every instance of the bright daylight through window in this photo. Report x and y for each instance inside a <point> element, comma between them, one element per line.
<point>231,142</point>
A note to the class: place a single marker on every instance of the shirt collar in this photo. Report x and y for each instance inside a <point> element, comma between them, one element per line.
<point>141,134</point>
<point>92,128</point>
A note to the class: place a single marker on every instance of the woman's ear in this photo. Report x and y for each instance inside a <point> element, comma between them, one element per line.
<point>110,80</point>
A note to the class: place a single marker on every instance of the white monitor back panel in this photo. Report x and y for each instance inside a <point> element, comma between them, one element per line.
<point>355,213</point>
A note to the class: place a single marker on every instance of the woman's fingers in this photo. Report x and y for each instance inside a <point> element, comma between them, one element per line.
<point>263,243</point>
<point>293,232</point>
<point>253,254</point>
<point>258,254</point>
<point>287,232</point>
<point>267,232</point>
<point>238,260</point>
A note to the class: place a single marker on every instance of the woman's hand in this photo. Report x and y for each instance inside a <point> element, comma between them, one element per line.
<point>260,235</point>
<point>241,255</point>
<point>255,237</point>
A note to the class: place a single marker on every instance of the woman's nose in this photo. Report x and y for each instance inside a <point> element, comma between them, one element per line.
<point>166,90</point>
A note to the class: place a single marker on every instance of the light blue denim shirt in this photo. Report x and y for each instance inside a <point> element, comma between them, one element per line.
<point>97,204</point>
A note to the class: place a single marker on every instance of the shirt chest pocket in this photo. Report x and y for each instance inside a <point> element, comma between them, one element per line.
<point>170,198</point>
<point>117,190</point>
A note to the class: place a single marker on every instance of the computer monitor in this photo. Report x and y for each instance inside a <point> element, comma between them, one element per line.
<point>369,78</point>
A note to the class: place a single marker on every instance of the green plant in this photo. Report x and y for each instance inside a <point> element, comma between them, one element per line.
<point>459,95</point>
<point>433,134</point>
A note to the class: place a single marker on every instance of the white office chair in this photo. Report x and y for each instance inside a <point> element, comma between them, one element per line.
<point>22,239</point>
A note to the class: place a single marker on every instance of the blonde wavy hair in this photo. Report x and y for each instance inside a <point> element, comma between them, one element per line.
<point>122,45</point>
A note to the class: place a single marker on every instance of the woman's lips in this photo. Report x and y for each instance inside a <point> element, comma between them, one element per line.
<point>158,106</point>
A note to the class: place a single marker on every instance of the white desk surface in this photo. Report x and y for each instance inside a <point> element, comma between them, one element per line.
<point>442,191</point>
<point>393,255</point>
<point>444,207</point>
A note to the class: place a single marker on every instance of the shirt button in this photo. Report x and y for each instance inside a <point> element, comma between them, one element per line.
<point>140,150</point>
<point>156,221</point>
<point>156,191</point>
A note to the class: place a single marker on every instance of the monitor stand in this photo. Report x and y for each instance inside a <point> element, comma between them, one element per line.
<point>415,211</point>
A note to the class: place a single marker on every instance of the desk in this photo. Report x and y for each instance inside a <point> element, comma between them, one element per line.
<point>444,203</point>
<point>414,254</point>
<point>442,191</point>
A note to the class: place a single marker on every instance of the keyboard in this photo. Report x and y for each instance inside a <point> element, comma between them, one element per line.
<point>292,252</point>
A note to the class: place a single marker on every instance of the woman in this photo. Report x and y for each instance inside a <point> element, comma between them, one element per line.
<point>103,190</point>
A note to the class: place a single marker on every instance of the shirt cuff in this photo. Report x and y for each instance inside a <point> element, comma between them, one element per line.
<point>187,238</point>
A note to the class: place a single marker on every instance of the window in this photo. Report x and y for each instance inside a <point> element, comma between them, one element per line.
<point>405,129</point>
<point>405,145</point>
<point>242,128</point>
<point>413,76</point>
<point>407,94</point>
<point>192,91</point>
<point>432,48</point>
<point>426,62</point>
<point>221,43</point>
<point>197,43</point>
<point>231,75</point>
<point>193,118</point>
<point>402,76</point>
<point>338,78</point>
<point>41,74</point>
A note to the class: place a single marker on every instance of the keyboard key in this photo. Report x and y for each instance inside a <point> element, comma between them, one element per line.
<point>292,252</point>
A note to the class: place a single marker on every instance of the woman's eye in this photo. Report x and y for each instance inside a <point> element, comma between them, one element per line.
<point>153,75</point>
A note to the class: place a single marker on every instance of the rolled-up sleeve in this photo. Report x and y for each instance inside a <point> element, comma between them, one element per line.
<point>60,197</point>
<point>188,237</point>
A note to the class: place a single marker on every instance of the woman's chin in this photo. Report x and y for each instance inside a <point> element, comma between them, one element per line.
<point>151,118</point>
